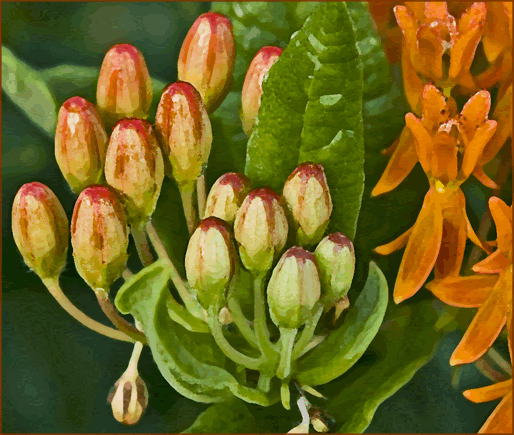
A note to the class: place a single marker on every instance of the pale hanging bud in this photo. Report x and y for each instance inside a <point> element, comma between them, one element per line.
<point>40,229</point>
<point>252,87</point>
<point>336,259</point>
<point>308,197</point>
<point>184,129</point>
<point>211,261</point>
<point>207,58</point>
<point>226,196</point>
<point>260,229</point>
<point>80,143</point>
<point>124,85</point>
<point>135,169</point>
<point>319,425</point>
<point>225,318</point>
<point>99,236</point>
<point>294,288</point>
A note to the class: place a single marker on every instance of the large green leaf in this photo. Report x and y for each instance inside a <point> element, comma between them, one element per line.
<point>343,347</point>
<point>311,111</point>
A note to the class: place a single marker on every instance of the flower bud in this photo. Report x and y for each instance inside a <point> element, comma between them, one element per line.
<point>308,198</point>
<point>225,318</point>
<point>207,58</point>
<point>336,260</point>
<point>260,229</point>
<point>252,87</point>
<point>135,168</point>
<point>40,229</point>
<point>226,196</point>
<point>99,236</point>
<point>294,288</point>
<point>124,85</point>
<point>211,260</point>
<point>184,129</point>
<point>319,425</point>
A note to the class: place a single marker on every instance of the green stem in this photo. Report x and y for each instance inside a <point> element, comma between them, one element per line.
<point>142,246</point>
<point>241,322</point>
<point>107,307</point>
<point>187,191</point>
<point>261,328</point>
<point>285,395</point>
<point>307,333</point>
<point>52,284</point>
<point>201,194</point>
<point>315,341</point>
<point>287,337</point>
<point>264,382</point>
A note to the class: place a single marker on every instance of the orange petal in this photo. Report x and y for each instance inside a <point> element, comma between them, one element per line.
<point>396,244</point>
<point>491,392</point>
<point>436,11</point>
<point>390,149</point>
<point>444,157</point>
<point>409,25</point>
<point>487,324</point>
<point>418,9</point>
<point>496,29</point>
<point>422,250</point>
<point>423,141</point>
<point>401,163</point>
<point>502,216</point>
<point>434,108</point>
<point>494,263</point>
<point>471,233</point>
<point>500,421</point>
<point>463,291</point>
<point>411,82</point>
<point>509,332</point>
<point>473,151</point>
<point>429,59</point>
<point>481,176</point>
<point>474,113</point>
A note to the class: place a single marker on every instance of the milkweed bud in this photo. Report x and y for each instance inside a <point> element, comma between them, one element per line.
<point>294,288</point>
<point>308,198</point>
<point>336,260</point>
<point>211,260</point>
<point>99,236</point>
<point>319,425</point>
<point>252,87</point>
<point>80,143</point>
<point>124,85</point>
<point>260,229</point>
<point>184,129</point>
<point>225,318</point>
<point>40,229</point>
<point>207,58</point>
<point>134,168</point>
<point>226,196</point>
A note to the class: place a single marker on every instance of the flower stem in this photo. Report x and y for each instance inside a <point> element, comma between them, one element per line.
<point>307,333</point>
<point>285,395</point>
<point>242,322</point>
<point>108,308</point>
<point>264,382</point>
<point>187,194</point>
<point>134,359</point>
<point>52,284</point>
<point>261,329</point>
<point>287,337</point>
<point>201,194</point>
<point>142,246</point>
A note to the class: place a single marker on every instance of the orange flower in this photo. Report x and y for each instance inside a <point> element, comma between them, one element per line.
<point>383,16</point>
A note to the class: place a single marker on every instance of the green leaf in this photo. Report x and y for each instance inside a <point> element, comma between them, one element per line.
<point>343,347</point>
<point>311,111</point>
<point>28,90</point>
<point>405,343</point>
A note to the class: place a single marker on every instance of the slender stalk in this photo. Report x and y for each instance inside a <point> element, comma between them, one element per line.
<point>307,333</point>
<point>187,195</point>
<point>134,359</point>
<point>242,322</point>
<point>107,307</point>
<point>285,395</point>
<point>287,337</point>
<point>499,361</point>
<point>142,246</point>
<point>201,195</point>
<point>52,284</point>
<point>261,329</point>
<point>489,372</point>
<point>315,341</point>
<point>264,382</point>
<point>312,391</point>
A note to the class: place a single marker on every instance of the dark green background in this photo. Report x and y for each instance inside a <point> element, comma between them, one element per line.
<point>56,374</point>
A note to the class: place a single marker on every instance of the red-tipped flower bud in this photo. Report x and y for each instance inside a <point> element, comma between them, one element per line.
<point>184,128</point>
<point>99,236</point>
<point>124,85</point>
<point>252,87</point>
<point>207,58</point>
<point>80,143</point>
<point>260,229</point>
<point>135,168</point>
<point>40,229</point>
<point>226,196</point>
<point>336,260</point>
<point>308,198</point>
<point>211,260</point>
<point>294,288</point>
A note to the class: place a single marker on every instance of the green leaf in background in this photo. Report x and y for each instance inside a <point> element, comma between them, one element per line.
<point>28,90</point>
<point>311,111</point>
<point>343,347</point>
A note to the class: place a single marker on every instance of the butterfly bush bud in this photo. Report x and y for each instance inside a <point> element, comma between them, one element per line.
<point>308,197</point>
<point>336,260</point>
<point>211,261</point>
<point>124,85</point>
<point>134,168</point>
<point>252,87</point>
<point>80,143</point>
<point>226,196</point>
<point>99,236</point>
<point>183,127</point>
<point>207,58</point>
<point>260,229</point>
<point>40,229</point>
<point>294,288</point>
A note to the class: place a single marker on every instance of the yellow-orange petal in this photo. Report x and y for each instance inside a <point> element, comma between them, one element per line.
<point>502,216</point>
<point>423,141</point>
<point>411,82</point>
<point>474,113</point>
<point>396,244</point>
<point>496,30</point>
<point>429,56</point>
<point>473,237</point>
<point>444,162</point>
<point>509,332</point>
<point>491,392</point>
<point>486,325</point>
<point>421,251</point>
<point>417,9</point>
<point>390,149</point>
<point>473,151</point>
<point>463,291</point>
<point>400,164</point>
<point>434,108</point>
<point>494,263</point>
<point>500,421</point>
<point>409,25</point>
<point>481,176</point>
